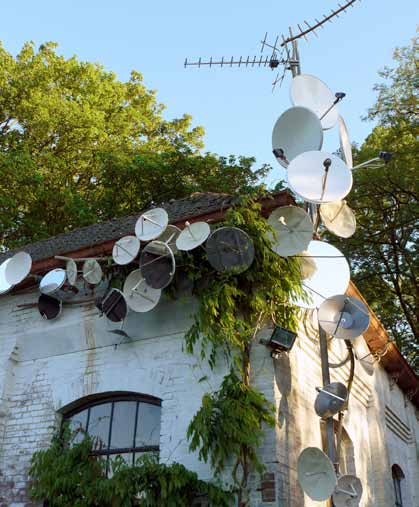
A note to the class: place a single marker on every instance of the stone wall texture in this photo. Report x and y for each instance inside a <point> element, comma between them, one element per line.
<point>45,366</point>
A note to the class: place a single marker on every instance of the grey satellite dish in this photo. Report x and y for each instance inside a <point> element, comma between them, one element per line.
<point>230,249</point>
<point>151,224</point>
<point>5,286</point>
<point>169,236</point>
<point>316,474</point>
<point>293,230</point>
<point>114,306</point>
<point>343,317</point>
<point>331,277</point>
<point>157,264</point>
<point>139,296</point>
<point>192,236</point>
<point>297,130</point>
<point>53,281</point>
<point>345,143</point>
<point>92,272</point>
<point>318,177</point>
<point>330,400</point>
<point>363,355</point>
<point>71,271</point>
<point>348,491</point>
<point>125,250</point>
<point>309,91</point>
<point>18,268</point>
<point>49,307</point>
<point>338,218</point>
<point>308,265</point>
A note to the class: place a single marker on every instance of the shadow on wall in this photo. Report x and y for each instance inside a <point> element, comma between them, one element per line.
<point>290,493</point>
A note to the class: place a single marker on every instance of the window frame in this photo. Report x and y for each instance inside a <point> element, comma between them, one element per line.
<point>88,402</point>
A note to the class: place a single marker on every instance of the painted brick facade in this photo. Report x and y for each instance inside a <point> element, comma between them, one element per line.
<point>45,366</point>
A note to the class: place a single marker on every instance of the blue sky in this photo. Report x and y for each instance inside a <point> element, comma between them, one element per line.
<point>236,106</point>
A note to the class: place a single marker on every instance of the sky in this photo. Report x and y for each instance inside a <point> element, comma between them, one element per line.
<point>236,107</point>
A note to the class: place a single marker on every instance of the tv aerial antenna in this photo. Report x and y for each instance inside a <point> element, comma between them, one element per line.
<point>280,52</point>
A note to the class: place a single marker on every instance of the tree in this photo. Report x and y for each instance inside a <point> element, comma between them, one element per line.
<point>77,146</point>
<point>384,250</point>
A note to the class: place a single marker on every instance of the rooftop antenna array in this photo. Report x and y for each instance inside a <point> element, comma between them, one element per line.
<point>280,53</point>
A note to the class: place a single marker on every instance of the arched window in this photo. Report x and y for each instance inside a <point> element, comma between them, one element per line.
<point>121,423</point>
<point>398,476</point>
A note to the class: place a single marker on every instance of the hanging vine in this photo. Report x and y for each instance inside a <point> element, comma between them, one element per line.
<point>232,309</point>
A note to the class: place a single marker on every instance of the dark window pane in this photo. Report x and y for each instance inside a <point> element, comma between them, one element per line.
<point>77,425</point>
<point>148,426</point>
<point>123,424</point>
<point>100,416</point>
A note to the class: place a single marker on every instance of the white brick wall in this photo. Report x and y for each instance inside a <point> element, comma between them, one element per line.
<point>58,362</point>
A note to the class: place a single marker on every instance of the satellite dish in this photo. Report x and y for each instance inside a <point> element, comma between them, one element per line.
<point>316,474</point>
<point>338,218</point>
<point>169,236</point>
<point>53,281</point>
<point>114,306</point>
<point>364,355</point>
<point>92,272</point>
<point>230,249</point>
<point>71,271</point>
<point>49,307</point>
<point>18,268</point>
<point>192,236</point>
<point>318,177</point>
<point>330,399</point>
<point>308,265</point>
<point>125,250</point>
<point>309,91</point>
<point>344,317</point>
<point>157,264</point>
<point>5,286</point>
<point>345,143</point>
<point>348,491</point>
<point>139,296</point>
<point>332,275</point>
<point>151,224</point>
<point>293,230</point>
<point>297,130</point>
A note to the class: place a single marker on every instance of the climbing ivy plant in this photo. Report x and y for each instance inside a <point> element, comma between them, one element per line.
<point>232,309</point>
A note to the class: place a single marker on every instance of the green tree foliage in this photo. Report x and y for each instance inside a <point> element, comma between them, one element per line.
<point>384,249</point>
<point>67,475</point>
<point>78,146</point>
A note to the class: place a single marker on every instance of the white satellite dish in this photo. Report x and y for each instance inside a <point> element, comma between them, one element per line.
<point>338,218</point>
<point>53,281</point>
<point>139,296</point>
<point>169,236</point>
<point>92,272</point>
<point>192,236</point>
<point>151,224</point>
<point>318,177</point>
<point>297,130</point>
<point>125,250</point>
<point>330,400</point>
<point>364,355</point>
<point>345,143</point>
<point>309,91</point>
<point>5,286</point>
<point>343,317</point>
<point>308,265</point>
<point>316,474</point>
<point>332,275</point>
<point>18,268</point>
<point>348,491</point>
<point>71,271</point>
<point>293,230</point>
